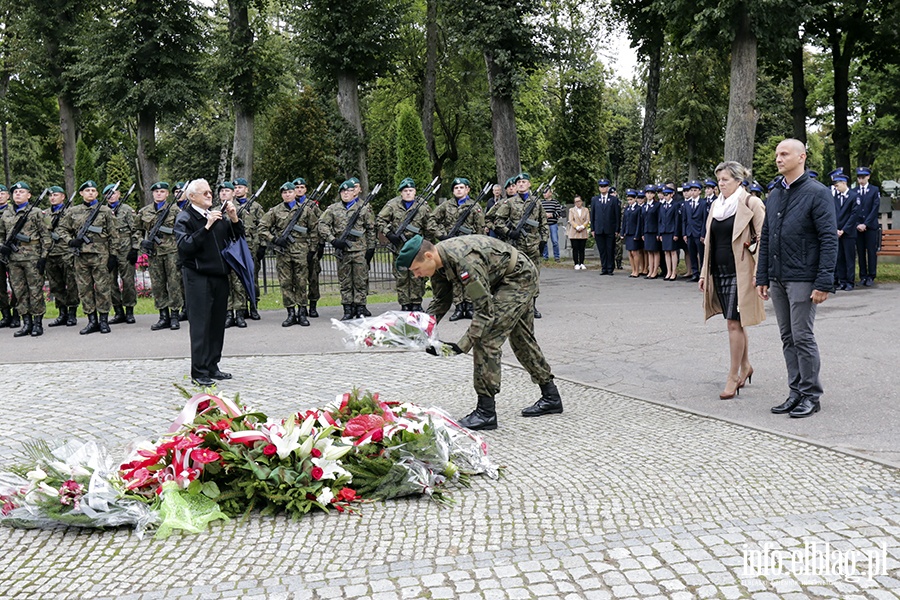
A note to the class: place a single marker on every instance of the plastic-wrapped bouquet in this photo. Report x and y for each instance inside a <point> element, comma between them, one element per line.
<point>393,329</point>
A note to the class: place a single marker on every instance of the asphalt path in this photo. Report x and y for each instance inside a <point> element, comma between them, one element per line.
<point>644,340</point>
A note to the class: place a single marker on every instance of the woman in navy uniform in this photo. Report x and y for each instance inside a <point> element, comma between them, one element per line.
<point>669,229</point>
<point>651,231</point>
<point>632,231</point>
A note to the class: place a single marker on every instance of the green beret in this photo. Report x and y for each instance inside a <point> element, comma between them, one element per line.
<point>523,175</point>
<point>408,252</point>
<point>354,180</point>
<point>108,188</point>
<point>55,189</point>
<point>21,185</point>
<point>90,183</point>
<point>3,188</point>
<point>299,181</point>
<point>159,185</point>
<point>406,183</point>
<point>179,185</point>
<point>461,181</point>
<point>240,181</point>
<point>288,185</point>
<point>510,181</point>
<point>347,185</point>
<point>226,185</point>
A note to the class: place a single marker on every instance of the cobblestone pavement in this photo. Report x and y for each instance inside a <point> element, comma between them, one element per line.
<point>616,498</point>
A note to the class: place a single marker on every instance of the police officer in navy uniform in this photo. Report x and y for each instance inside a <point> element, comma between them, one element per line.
<point>847,213</point>
<point>867,238</point>
<point>694,213</point>
<point>606,222</point>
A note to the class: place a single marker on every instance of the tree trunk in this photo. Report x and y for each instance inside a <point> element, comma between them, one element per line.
<point>242,92</point>
<point>4,132</point>
<point>348,105</point>
<point>648,131</point>
<point>223,164</point>
<point>146,151</point>
<point>242,151</point>
<point>693,167</point>
<point>67,129</point>
<point>798,92</point>
<point>430,84</point>
<point>503,126</point>
<point>840,61</point>
<point>740,129</point>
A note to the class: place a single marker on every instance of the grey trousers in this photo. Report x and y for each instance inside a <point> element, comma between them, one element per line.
<point>796,314</point>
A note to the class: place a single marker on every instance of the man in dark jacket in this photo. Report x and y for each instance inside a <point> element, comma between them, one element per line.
<point>606,215</point>
<point>201,235</point>
<point>797,255</point>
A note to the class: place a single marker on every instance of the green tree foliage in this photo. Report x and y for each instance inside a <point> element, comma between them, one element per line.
<point>118,168</point>
<point>85,163</point>
<point>623,127</point>
<point>412,155</point>
<point>192,143</point>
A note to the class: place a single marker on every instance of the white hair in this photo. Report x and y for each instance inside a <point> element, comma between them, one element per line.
<point>192,186</point>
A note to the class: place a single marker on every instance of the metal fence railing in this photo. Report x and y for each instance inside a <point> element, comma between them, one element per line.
<point>381,272</point>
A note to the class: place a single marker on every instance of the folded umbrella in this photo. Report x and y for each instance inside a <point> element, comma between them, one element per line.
<point>238,256</point>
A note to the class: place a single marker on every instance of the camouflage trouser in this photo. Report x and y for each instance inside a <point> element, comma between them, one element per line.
<point>292,278</point>
<point>257,267</point>
<point>94,282</point>
<point>620,246</point>
<point>60,273</point>
<point>5,302</point>
<point>165,277</point>
<point>513,319</point>
<point>353,275</point>
<point>28,287</point>
<point>534,254</point>
<point>313,269</point>
<point>237,295</point>
<point>410,289</point>
<point>127,295</point>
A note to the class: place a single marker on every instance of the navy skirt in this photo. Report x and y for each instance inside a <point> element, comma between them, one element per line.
<point>632,243</point>
<point>725,282</point>
<point>651,244</point>
<point>668,242</point>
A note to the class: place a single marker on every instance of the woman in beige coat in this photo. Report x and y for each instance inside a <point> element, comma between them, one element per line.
<point>577,230</point>
<point>727,279</point>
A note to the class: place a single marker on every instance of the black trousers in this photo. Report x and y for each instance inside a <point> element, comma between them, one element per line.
<point>606,246</point>
<point>866,248</point>
<point>695,251</point>
<point>845,271</point>
<point>578,251</point>
<point>207,299</point>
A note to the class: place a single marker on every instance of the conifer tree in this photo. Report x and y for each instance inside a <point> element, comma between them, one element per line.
<point>412,154</point>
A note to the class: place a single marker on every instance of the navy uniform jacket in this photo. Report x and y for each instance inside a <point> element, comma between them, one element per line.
<point>632,221</point>
<point>707,201</point>
<point>605,217</point>
<point>694,219</point>
<point>651,218</point>
<point>869,205</point>
<point>848,214</point>
<point>669,219</point>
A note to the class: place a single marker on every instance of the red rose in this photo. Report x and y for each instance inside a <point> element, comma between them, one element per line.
<point>270,449</point>
<point>315,453</point>
<point>317,473</point>
<point>347,494</point>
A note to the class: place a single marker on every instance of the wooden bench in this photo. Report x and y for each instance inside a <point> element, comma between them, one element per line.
<point>890,242</point>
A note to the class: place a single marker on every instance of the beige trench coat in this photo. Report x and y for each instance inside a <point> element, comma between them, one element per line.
<point>578,216</point>
<point>750,212</point>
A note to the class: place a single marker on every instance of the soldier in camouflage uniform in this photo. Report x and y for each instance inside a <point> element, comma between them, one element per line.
<point>254,240</point>
<point>353,253</point>
<point>410,289</point>
<point>533,235</point>
<point>124,298</point>
<point>290,228</point>
<point>502,282</point>
<point>60,270</point>
<point>94,260</point>
<point>165,275</point>
<point>446,216</point>
<point>8,310</point>
<point>314,265</point>
<point>27,256</point>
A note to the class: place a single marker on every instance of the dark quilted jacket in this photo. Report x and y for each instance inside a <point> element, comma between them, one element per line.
<point>799,236</point>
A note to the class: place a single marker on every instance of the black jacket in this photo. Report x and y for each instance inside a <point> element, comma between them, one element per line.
<point>799,236</point>
<point>200,249</point>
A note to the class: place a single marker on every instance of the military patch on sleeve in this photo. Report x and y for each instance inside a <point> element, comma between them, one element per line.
<point>473,287</point>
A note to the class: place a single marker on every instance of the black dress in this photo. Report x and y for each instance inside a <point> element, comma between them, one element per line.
<point>722,266</point>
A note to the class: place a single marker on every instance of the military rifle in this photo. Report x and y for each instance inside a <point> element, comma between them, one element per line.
<point>526,219</point>
<point>286,236</point>
<point>153,239</point>
<point>459,226</point>
<point>251,199</point>
<point>406,224</point>
<point>88,225</point>
<point>351,223</point>
<point>122,201</point>
<point>15,234</point>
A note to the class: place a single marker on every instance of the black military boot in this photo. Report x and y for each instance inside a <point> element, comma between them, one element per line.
<point>129,315</point>
<point>239,319</point>
<point>549,403</point>
<point>254,314</point>
<point>537,313</point>
<point>163,320</point>
<point>72,320</point>
<point>313,313</point>
<point>405,307</point>
<point>26,327</point>
<point>229,319</point>
<point>417,308</point>
<point>16,321</point>
<point>349,312</point>
<point>103,323</point>
<point>301,316</point>
<point>362,311</point>
<point>175,319</point>
<point>459,313</point>
<point>181,314</point>
<point>7,318</point>
<point>92,325</point>
<point>470,310</point>
<point>291,318</point>
<point>37,327</point>
<point>61,319</point>
<point>483,417</point>
<point>119,316</point>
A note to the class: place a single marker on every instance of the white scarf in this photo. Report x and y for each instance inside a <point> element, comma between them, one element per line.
<point>724,208</point>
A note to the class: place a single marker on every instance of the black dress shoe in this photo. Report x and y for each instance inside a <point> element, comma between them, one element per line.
<point>203,381</point>
<point>786,406</point>
<point>806,408</point>
<point>220,375</point>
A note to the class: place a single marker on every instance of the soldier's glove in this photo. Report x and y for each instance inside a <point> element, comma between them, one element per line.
<point>320,250</point>
<point>396,240</point>
<point>260,253</point>
<point>41,265</point>
<point>5,250</point>
<point>146,246</point>
<point>280,242</point>
<point>369,254</point>
<point>112,263</point>
<point>443,349</point>
<point>132,257</point>
<point>341,244</point>
<point>514,235</point>
<point>311,257</point>
<point>76,243</point>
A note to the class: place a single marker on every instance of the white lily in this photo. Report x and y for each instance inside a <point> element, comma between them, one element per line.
<point>325,496</point>
<point>331,469</point>
<point>307,426</point>
<point>285,444</point>
<point>36,475</point>
<point>47,489</point>
<point>307,446</point>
